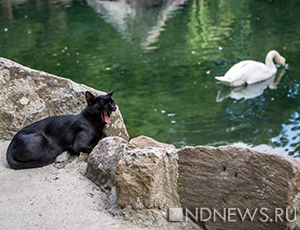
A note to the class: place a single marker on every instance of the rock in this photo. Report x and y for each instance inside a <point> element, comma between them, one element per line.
<point>64,156</point>
<point>150,165</point>
<point>28,95</point>
<point>147,175</point>
<point>144,171</point>
<point>231,180</point>
<point>103,161</point>
<point>101,169</point>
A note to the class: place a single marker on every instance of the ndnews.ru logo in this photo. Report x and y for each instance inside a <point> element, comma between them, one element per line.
<point>233,214</point>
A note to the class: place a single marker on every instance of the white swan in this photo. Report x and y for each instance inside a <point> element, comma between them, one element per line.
<point>249,72</point>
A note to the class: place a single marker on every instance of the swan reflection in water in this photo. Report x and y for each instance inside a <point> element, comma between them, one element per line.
<point>250,91</point>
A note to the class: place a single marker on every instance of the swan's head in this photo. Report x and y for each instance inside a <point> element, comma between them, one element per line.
<point>278,58</point>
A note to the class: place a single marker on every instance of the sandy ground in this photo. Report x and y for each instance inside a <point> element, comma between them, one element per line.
<point>52,198</point>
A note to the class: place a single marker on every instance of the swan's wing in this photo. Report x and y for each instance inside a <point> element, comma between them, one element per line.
<point>224,80</point>
<point>259,72</point>
<point>235,75</point>
<point>246,71</point>
<point>240,70</point>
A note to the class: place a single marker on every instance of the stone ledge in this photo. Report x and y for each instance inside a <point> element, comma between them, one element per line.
<point>149,175</point>
<point>234,177</point>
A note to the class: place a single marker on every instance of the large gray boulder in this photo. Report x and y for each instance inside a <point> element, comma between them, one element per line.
<point>147,175</point>
<point>103,160</point>
<point>140,177</point>
<point>143,171</point>
<point>231,180</point>
<point>102,163</point>
<point>28,95</point>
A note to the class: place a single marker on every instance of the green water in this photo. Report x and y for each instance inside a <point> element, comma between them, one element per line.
<point>162,59</point>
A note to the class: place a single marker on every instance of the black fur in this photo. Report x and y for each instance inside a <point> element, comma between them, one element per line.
<point>39,143</point>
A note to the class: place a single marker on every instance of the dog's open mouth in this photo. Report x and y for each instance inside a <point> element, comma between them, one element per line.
<point>105,117</point>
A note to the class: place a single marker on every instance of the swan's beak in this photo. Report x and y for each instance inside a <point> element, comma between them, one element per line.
<point>286,66</point>
<point>282,62</point>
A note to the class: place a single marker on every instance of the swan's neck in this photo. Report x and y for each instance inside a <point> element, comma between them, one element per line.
<point>269,59</point>
<point>273,54</point>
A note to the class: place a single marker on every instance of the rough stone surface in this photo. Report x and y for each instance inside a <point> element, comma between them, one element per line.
<point>235,177</point>
<point>28,95</point>
<point>103,161</point>
<point>147,175</point>
<point>110,153</point>
<point>101,169</point>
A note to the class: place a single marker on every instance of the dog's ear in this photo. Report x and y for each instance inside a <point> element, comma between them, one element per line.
<point>111,93</point>
<point>90,98</point>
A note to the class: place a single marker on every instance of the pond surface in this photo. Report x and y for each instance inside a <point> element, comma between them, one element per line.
<point>162,59</point>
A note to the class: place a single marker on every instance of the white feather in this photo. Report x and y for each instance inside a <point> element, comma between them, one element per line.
<point>249,72</point>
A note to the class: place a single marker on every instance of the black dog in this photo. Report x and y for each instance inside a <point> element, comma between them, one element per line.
<point>39,143</point>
